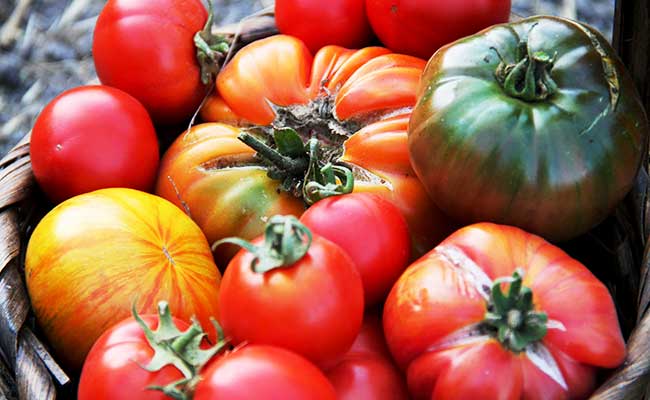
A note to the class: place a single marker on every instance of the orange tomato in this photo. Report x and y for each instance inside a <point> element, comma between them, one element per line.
<point>94,255</point>
<point>355,102</point>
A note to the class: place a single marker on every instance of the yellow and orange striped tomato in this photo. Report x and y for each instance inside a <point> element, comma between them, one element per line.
<point>94,255</point>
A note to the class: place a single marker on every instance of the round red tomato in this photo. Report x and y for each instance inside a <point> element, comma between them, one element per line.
<point>113,368</point>
<point>494,312</point>
<point>367,372</point>
<point>93,137</point>
<point>263,372</point>
<point>420,27</point>
<point>146,48</point>
<point>371,230</point>
<point>343,23</point>
<point>292,292</point>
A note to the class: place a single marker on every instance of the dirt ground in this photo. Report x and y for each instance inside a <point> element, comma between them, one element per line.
<point>45,47</point>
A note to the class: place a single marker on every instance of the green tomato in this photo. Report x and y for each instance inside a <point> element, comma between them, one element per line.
<point>534,123</point>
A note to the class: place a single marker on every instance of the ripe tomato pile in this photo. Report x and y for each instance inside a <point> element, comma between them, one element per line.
<point>345,219</point>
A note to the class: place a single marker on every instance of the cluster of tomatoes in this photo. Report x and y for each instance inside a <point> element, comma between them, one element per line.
<point>325,183</point>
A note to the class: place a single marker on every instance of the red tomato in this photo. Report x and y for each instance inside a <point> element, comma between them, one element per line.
<point>146,48</point>
<point>257,372</point>
<point>343,23</point>
<point>113,368</point>
<point>372,231</point>
<point>93,137</point>
<point>462,334</point>
<point>420,27</point>
<point>367,372</point>
<point>313,306</point>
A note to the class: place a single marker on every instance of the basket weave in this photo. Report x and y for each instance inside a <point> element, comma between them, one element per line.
<point>614,251</point>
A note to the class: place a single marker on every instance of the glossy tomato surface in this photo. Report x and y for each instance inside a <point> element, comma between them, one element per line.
<point>114,366</point>
<point>146,48</point>
<point>256,372</point>
<point>364,97</point>
<point>343,23</point>
<point>420,27</point>
<point>94,255</point>
<point>93,137</point>
<point>553,157</point>
<point>434,320</point>
<point>372,231</point>
<point>313,307</point>
<point>367,371</point>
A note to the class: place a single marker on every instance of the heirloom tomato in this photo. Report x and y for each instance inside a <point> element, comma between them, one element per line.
<point>94,255</point>
<point>371,230</point>
<point>93,137</point>
<point>367,371</point>
<point>350,107</point>
<point>255,372</point>
<point>343,23</point>
<point>147,49</point>
<point>494,312</point>
<point>420,27</point>
<point>534,123</point>
<point>294,290</point>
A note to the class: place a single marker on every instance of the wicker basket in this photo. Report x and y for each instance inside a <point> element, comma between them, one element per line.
<point>614,250</point>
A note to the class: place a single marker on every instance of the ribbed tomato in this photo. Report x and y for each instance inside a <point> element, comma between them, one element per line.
<point>494,312</point>
<point>349,108</point>
<point>95,254</point>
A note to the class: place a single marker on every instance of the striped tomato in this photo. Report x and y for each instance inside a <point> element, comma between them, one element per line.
<point>95,254</point>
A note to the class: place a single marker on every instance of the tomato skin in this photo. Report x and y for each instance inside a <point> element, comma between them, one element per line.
<point>93,137</point>
<point>93,255</point>
<point>420,27</point>
<point>313,307</point>
<point>367,372</point>
<point>256,371</point>
<point>146,48</point>
<point>372,231</point>
<point>485,154</point>
<point>113,368</point>
<point>441,293</point>
<point>342,23</point>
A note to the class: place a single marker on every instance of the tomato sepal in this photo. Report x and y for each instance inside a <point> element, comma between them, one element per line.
<point>211,49</point>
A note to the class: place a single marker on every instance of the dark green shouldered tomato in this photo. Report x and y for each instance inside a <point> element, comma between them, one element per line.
<point>533,123</point>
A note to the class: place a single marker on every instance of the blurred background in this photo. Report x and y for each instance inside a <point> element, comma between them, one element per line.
<point>45,47</point>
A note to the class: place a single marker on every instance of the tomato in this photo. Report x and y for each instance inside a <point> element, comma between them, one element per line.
<point>93,137</point>
<point>114,366</point>
<point>289,291</point>
<point>343,23</point>
<point>367,372</point>
<point>464,324</point>
<point>146,48</point>
<point>380,252</point>
<point>356,104</point>
<point>263,372</point>
<point>420,27</point>
<point>553,157</point>
<point>94,255</point>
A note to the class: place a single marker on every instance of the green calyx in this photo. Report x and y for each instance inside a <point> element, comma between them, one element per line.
<point>300,166</point>
<point>286,240</point>
<point>211,49</point>
<point>179,349</point>
<point>511,318</point>
<point>529,77</point>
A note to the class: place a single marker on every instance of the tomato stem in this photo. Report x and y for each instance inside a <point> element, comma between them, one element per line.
<point>286,240</point>
<point>181,350</point>
<point>529,77</point>
<point>511,318</point>
<point>211,49</point>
